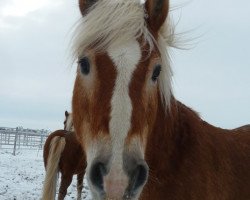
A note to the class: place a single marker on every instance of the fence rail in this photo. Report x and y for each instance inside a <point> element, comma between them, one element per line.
<point>19,139</point>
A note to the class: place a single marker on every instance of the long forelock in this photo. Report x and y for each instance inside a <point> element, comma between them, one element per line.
<point>110,23</point>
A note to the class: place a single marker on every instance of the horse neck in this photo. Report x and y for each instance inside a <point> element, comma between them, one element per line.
<point>171,138</point>
<point>180,136</point>
<point>182,149</point>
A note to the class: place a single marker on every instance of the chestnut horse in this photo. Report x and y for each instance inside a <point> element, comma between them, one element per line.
<point>63,153</point>
<point>140,142</point>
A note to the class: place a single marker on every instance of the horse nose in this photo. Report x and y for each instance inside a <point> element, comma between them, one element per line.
<point>97,172</point>
<point>138,177</point>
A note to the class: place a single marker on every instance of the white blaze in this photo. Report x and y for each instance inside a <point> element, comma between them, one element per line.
<point>69,123</point>
<point>126,58</point>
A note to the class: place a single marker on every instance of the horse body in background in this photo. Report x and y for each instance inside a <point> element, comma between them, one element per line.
<point>63,153</point>
<point>140,142</point>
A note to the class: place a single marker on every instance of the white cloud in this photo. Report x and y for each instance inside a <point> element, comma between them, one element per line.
<point>20,8</point>
<point>15,9</point>
<point>36,84</point>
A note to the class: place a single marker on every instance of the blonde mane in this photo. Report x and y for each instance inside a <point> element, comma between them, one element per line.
<point>114,22</point>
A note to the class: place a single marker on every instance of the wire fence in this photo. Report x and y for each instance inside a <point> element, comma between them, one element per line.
<point>22,139</point>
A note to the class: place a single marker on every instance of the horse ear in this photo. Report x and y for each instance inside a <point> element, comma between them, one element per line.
<point>84,5</point>
<point>66,113</point>
<point>157,11</point>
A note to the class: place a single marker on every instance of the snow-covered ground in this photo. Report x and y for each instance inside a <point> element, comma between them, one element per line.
<point>21,176</point>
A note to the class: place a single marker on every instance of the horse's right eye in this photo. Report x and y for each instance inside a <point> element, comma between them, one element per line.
<point>156,73</point>
<point>84,65</point>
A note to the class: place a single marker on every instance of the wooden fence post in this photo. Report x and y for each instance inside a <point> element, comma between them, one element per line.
<point>41,141</point>
<point>16,135</point>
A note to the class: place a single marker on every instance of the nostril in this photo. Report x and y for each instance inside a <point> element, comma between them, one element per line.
<point>97,172</point>
<point>139,177</point>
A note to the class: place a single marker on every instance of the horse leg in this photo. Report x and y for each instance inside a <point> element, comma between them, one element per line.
<point>66,180</point>
<point>79,185</point>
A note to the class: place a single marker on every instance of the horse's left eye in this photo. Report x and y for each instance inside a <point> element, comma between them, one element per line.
<point>84,65</point>
<point>156,72</point>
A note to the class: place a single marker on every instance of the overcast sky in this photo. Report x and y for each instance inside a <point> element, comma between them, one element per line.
<point>36,75</point>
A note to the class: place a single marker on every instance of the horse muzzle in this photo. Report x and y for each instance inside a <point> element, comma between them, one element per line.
<point>118,183</point>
